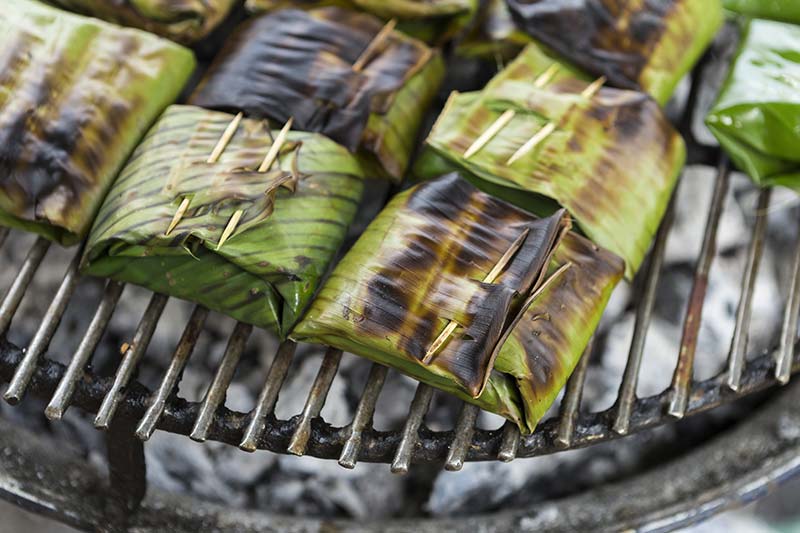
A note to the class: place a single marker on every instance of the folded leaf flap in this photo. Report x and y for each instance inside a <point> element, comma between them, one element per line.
<point>548,337</point>
<point>299,64</point>
<point>76,95</point>
<point>293,217</point>
<point>639,45</point>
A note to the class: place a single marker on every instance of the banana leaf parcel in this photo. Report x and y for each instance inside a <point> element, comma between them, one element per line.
<point>184,21</point>
<point>424,265</point>
<point>611,159</point>
<point>315,67</point>
<point>433,21</point>
<point>756,117</point>
<point>784,10</point>
<point>292,216</point>
<point>638,44</point>
<point>76,96</point>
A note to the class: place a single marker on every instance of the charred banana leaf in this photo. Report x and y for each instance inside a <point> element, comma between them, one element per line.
<point>76,96</point>
<point>184,21</point>
<point>611,158</point>
<point>638,44</point>
<point>422,276</point>
<point>434,21</point>
<point>757,114</point>
<point>785,10</point>
<point>198,215</point>
<point>494,35</point>
<point>316,67</point>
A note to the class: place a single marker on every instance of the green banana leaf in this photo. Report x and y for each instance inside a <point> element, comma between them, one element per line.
<point>636,44</point>
<point>295,217</point>
<point>612,160</point>
<point>420,265</point>
<point>433,21</point>
<point>184,21</point>
<point>784,10</point>
<point>756,117</point>
<point>493,36</point>
<point>76,96</point>
<point>377,109</point>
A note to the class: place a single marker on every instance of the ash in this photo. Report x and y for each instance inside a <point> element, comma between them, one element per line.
<point>311,487</point>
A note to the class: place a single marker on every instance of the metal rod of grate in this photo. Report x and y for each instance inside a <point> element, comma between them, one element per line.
<point>121,397</point>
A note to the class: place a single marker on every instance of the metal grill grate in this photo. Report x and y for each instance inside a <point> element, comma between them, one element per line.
<point>121,397</point>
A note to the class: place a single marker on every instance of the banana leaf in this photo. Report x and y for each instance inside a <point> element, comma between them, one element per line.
<point>756,117</point>
<point>433,21</point>
<point>299,64</point>
<point>423,262</point>
<point>783,10</point>
<point>76,96</point>
<point>184,21</point>
<point>493,36</point>
<point>611,160</point>
<point>639,44</point>
<point>294,220</point>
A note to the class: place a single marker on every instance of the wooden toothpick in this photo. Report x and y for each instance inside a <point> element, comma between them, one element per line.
<point>490,278</point>
<point>222,143</point>
<point>531,143</point>
<point>266,164</point>
<point>373,45</point>
<point>545,77</point>
<point>593,87</point>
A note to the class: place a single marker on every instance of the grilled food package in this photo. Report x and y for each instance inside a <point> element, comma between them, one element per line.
<point>468,294</point>
<point>76,96</point>
<point>757,114</point>
<point>184,21</point>
<point>639,44</point>
<point>337,72</point>
<point>494,36</point>
<point>785,10</point>
<point>434,21</point>
<point>540,137</point>
<point>218,210</point>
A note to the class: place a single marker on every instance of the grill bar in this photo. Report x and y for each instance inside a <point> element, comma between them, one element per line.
<point>132,353</point>
<point>464,430</point>
<point>743,311</point>
<point>571,403</point>
<point>682,378</point>
<point>43,335</point>
<point>408,440</point>
<point>66,387</point>
<point>315,401</point>
<point>179,359</point>
<point>265,404</point>
<point>644,313</point>
<point>215,395</point>
<point>20,284</point>
<point>783,369</point>
<point>363,417</point>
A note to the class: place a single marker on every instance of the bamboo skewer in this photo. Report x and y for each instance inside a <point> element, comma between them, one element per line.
<point>503,120</point>
<point>373,45</point>
<point>222,143</point>
<point>490,278</point>
<point>265,165</point>
<point>550,127</point>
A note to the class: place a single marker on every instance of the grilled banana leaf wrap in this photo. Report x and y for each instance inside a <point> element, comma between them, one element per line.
<point>299,64</point>
<point>756,117</point>
<point>184,21</point>
<point>637,44</point>
<point>294,217</point>
<point>76,96</point>
<point>433,21</point>
<point>494,35</point>
<point>611,160</point>
<point>784,10</point>
<point>424,262</point>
